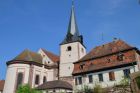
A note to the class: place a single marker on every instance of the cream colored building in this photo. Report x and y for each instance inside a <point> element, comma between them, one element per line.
<point>31,68</point>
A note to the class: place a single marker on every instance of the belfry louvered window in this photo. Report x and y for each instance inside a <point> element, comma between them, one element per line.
<point>69,48</point>
<point>19,80</point>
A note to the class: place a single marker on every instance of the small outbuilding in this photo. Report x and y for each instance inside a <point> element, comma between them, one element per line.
<point>56,86</point>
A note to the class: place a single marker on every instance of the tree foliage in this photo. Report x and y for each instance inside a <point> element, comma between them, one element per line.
<point>27,89</point>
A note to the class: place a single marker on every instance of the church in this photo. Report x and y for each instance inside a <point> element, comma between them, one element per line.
<point>73,68</point>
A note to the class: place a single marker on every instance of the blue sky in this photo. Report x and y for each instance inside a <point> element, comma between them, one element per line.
<point>35,24</point>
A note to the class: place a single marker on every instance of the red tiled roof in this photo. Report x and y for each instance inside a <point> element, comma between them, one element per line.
<point>106,49</point>
<point>52,56</point>
<point>2,84</point>
<point>97,59</point>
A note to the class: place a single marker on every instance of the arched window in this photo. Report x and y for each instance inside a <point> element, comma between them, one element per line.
<point>69,48</point>
<point>37,79</point>
<point>19,80</point>
<point>44,79</point>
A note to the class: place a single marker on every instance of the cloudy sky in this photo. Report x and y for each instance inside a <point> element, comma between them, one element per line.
<point>34,24</point>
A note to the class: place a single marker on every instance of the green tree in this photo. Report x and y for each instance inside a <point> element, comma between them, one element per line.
<point>27,89</point>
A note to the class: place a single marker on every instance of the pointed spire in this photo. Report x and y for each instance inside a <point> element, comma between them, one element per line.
<point>73,33</point>
<point>72,3</point>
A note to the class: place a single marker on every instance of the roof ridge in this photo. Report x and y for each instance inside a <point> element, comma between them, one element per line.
<point>52,56</point>
<point>49,52</point>
<point>111,47</point>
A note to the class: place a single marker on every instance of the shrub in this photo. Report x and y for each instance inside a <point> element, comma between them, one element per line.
<point>98,89</point>
<point>124,82</point>
<point>27,89</point>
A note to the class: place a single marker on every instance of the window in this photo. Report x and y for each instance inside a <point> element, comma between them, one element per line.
<point>111,76</point>
<point>76,81</point>
<point>120,57</point>
<point>108,60</point>
<point>100,77</point>
<point>37,79</point>
<point>19,79</point>
<point>90,78</point>
<point>44,79</point>
<point>69,48</point>
<point>48,62</point>
<point>80,80</point>
<point>126,73</point>
<point>82,66</point>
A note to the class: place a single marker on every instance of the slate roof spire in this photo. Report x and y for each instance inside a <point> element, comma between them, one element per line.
<point>73,34</point>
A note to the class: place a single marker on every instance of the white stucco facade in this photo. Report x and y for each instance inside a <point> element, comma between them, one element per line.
<point>119,74</point>
<point>14,69</point>
<point>11,75</point>
<point>68,57</point>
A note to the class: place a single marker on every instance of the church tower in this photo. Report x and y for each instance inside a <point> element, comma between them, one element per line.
<point>71,49</point>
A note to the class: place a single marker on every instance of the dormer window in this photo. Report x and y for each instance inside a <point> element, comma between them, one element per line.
<point>69,48</point>
<point>120,57</point>
<point>82,66</point>
<point>108,60</point>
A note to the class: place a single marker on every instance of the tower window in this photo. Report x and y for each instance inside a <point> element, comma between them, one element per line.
<point>19,80</point>
<point>37,79</point>
<point>69,48</point>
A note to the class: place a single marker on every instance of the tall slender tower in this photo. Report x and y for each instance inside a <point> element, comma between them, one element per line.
<point>71,48</point>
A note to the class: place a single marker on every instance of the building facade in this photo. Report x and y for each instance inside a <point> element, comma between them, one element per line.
<point>71,49</point>
<point>106,65</point>
<point>31,68</point>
